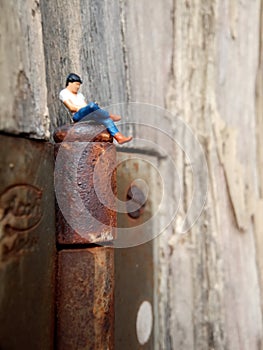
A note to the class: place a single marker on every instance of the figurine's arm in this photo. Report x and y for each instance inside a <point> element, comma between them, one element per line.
<point>72,107</point>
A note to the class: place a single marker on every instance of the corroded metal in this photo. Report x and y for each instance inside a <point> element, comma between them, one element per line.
<point>85,300</point>
<point>86,181</point>
<point>83,132</point>
<point>101,225</point>
<point>99,221</point>
<point>134,266</point>
<point>27,244</point>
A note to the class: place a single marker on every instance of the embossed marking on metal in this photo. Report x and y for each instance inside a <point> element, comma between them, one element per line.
<point>20,207</point>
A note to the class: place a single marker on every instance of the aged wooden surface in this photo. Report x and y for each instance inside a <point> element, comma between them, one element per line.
<point>211,282</point>
<point>87,40</point>
<point>23,92</point>
<point>201,60</point>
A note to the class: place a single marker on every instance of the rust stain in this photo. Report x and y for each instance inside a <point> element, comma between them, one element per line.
<point>102,157</point>
<point>82,132</point>
<point>85,299</point>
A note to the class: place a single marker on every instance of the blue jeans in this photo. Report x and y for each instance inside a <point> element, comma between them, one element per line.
<point>95,113</point>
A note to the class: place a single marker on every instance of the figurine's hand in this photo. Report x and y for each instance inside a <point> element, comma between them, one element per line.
<point>79,107</point>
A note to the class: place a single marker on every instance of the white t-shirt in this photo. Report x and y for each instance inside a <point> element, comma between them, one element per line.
<point>77,99</point>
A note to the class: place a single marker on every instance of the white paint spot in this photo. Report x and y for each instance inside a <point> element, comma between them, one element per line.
<point>144,322</point>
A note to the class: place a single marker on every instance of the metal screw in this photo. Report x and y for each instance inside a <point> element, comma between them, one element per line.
<point>136,202</point>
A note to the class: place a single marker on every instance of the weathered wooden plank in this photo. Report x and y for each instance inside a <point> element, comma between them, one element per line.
<point>199,58</point>
<point>86,40</point>
<point>213,84</point>
<point>23,96</point>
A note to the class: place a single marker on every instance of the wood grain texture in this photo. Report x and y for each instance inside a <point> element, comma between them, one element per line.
<point>212,288</point>
<point>86,40</point>
<point>200,60</point>
<point>23,94</point>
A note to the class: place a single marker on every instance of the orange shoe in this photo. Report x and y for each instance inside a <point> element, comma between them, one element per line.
<point>115,117</point>
<point>121,139</point>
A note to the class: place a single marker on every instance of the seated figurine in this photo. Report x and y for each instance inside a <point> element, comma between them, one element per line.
<point>77,105</point>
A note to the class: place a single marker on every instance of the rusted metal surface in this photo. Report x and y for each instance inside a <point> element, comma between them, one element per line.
<point>101,225</point>
<point>134,285</point>
<point>86,182</point>
<point>83,132</point>
<point>134,266</point>
<point>137,182</point>
<point>27,244</point>
<point>85,299</point>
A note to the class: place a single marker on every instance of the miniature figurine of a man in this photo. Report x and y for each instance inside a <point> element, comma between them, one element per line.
<point>77,105</point>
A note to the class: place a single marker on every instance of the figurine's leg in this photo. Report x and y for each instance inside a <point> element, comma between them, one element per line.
<point>93,112</point>
<point>111,127</point>
<point>109,124</point>
<point>85,111</point>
